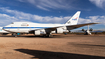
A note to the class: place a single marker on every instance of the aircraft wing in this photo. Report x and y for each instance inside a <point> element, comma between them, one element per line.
<point>69,27</point>
<point>78,25</point>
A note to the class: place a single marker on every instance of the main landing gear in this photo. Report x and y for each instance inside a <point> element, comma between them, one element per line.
<point>48,35</point>
<point>15,34</point>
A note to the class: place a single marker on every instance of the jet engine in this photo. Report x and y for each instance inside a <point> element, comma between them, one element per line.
<point>59,30</point>
<point>37,32</point>
<point>40,32</point>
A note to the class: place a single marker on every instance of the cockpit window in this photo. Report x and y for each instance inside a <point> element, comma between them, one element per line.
<point>12,23</point>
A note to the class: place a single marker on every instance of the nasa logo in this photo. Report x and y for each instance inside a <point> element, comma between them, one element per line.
<point>75,18</point>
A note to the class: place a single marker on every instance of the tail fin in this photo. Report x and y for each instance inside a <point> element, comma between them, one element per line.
<point>74,19</point>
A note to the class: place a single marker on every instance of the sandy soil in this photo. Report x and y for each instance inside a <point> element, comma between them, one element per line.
<point>59,47</point>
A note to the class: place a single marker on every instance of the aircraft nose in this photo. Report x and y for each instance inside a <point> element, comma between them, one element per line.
<point>3,28</point>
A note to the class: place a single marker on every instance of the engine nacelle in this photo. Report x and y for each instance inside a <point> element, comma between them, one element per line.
<point>91,29</point>
<point>59,30</point>
<point>40,32</point>
<point>37,32</point>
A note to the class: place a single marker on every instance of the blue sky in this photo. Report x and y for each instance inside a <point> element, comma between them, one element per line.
<point>52,11</point>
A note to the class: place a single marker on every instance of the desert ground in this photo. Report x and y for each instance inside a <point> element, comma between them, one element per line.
<point>60,46</point>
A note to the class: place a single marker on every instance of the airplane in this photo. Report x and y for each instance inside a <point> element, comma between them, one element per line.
<point>87,32</point>
<point>45,29</point>
<point>90,31</point>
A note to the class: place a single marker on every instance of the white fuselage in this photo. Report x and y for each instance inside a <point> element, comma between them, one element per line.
<point>25,27</point>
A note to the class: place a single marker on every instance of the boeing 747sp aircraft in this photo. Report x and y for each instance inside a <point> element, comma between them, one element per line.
<point>44,29</point>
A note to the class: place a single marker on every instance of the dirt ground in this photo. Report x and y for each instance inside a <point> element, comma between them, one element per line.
<point>58,47</point>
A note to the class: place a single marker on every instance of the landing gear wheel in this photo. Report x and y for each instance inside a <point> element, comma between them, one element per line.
<point>65,33</point>
<point>49,35</point>
<point>14,34</point>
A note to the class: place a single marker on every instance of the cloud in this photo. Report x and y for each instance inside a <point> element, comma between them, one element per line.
<point>14,15</point>
<point>30,17</point>
<point>5,19</point>
<point>51,4</point>
<point>90,19</point>
<point>17,16</point>
<point>98,3</point>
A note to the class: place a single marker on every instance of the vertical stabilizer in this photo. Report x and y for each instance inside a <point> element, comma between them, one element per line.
<point>74,19</point>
